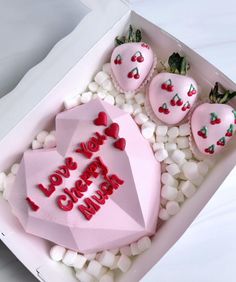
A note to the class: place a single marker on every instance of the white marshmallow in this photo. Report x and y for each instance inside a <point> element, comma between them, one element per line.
<point>144,244</point>
<point>94,268</point>
<point>161,155</point>
<point>209,162</point>
<point>163,214</point>
<point>90,256</point>
<point>140,98</point>
<point>126,250</point>
<point>173,132</point>
<point>114,92</point>
<point>190,170</point>
<point>10,179</point>
<point>183,142</point>
<point>198,181</point>
<point>188,154</point>
<point>127,108</point>
<point>184,129</point>
<point>57,253</point>
<point>107,85</point>
<point>69,258</point>
<point>102,272</point>
<point>114,266</point>
<point>163,201</point>
<point>169,192</point>
<point>107,277</point>
<point>100,77</point>
<point>168,179</point>
<point>187,188</point>
<point>203,168</point>
<point>36,145</point>
<point>50,142</point>
<point>172,207</point>
<point>180,197</point>
<point>157,146</point>
<point>71,102</point>
<point>107,68</point>
<point>141,118</point>
<point>134,249</point>
<point>161,130</point>
<point>130,102</point>
<point>110,99</point>
<point>83,276</point>
<point>3,179</point>
<point>161,139</point>
<point>124,263</point>
<point>106,258</point>
<point>95,96</point>
<point>93,86</point>
<point>86,97</point>
<point>152,139</point>
<point>170,146</point>
<point>173,169</point>
<point>177,156</point>
<point>182,176</point>
<point>14,168</point>
<point>79,261</point>
<point>120,99</point>
<point>147,129</point>
<point>168,161</point>
<point>136,109</point>
<point>42,136</point>
<point>129,95</point>
<point>114,251</point>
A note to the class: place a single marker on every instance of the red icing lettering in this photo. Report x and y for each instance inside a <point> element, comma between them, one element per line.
<point>70,163</point>
<point>106,188</point>
<point>90,209</point>
<point>32,204</point>
<point>93,145</point>
<point>84,151</point>
<point>55,179</point>
<point>102,166</point>
<point>73,193</point>
<point>114,180</point>
<point>80,186</point>
<point>64,207</point>
<point>100,138</point>
<point>85,176</point>
<point>47,191</point>
<point>63,171</point>
<point>102,197</point>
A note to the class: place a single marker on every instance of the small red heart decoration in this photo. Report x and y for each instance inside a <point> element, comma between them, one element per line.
<point>112,130</point>
<point>101,119</point>
<point>120,144</point>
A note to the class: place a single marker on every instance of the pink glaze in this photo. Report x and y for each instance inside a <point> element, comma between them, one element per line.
<point>158,96</point>
<point>130,212</point>
<point>202,117</point>
<point>122,64</point>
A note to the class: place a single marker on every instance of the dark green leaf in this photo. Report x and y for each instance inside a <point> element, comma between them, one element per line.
<point>138,36</point>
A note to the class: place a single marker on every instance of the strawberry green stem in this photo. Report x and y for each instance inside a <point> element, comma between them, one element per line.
<point>178,64</point>
<point>220,96</point>
<point>133,36</point>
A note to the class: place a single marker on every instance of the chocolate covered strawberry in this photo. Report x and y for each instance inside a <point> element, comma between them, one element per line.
<point>213,124</point>
<point>172,94</point>
<point>131,62</point>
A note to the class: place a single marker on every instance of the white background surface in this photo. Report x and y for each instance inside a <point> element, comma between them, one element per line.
<point>29,29</point>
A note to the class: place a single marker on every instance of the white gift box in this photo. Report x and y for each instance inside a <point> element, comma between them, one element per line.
<point>65,72</point>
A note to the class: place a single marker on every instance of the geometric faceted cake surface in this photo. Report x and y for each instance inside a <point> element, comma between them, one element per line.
<point>98,189</point>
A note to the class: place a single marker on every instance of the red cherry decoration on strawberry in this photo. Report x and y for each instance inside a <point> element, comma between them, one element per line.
<point>164,86</point>
<point>228,134</point>
<point>101,119</point>
<point>130,75</point>
<point>133,58</point>
<point>218,121</point>
<point>200,133</point>
<point>170,88</point>
<point>161,110</point>
<point>172,102</point>
<point>194,91</point>
<point>166,111</point>
<point>190,93</point>
<point>115,61</point>
<point>112,130</point>
<point>140,59</point>
<point>136,76</point>
<point>120,144</point>
<point>179,103</point>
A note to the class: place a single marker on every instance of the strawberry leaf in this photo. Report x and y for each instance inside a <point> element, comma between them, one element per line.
<point>219,95</point>
<point>133,36</point>
<point>178,64</point>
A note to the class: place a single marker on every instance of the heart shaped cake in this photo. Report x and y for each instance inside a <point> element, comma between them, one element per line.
<point>98,189</point>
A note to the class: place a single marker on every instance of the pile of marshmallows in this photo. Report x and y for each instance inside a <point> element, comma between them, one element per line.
<point>181,175</point>
<point>100,266</point>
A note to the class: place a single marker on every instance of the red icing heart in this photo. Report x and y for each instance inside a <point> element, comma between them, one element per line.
<point>112,130</point>
<point>101,119</point>
<point>120,144</point>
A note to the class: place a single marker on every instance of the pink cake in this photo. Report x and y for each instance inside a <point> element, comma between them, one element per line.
<point>98,189</point>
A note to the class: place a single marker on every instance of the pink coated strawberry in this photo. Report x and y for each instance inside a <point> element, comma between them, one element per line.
<point>131,62</point>
<point>177,91</point>
<point>213,124</point>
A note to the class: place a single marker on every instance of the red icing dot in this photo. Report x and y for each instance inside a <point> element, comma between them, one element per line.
<point>32,204</point>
